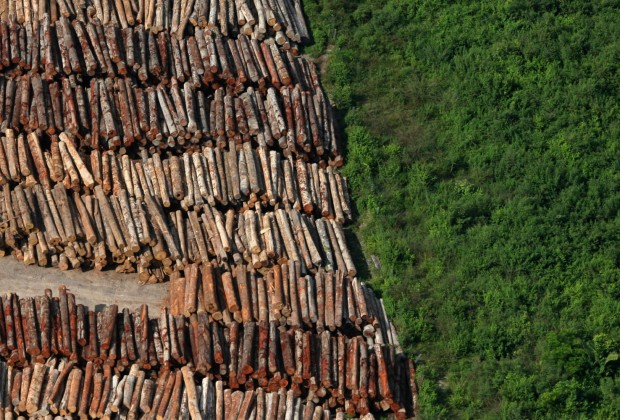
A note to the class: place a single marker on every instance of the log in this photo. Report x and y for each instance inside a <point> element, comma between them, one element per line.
<point>232,301</point>
<point>35,388</point>
<point>136,394</point>
<point>174,405</point>
<point>29,326</point>
<point>188,379</point>
<point>58,386</point>
<point>146,396</point>
<point>353,373</point>
<point>74,391</point>
<point>348,260</point>
<point>247,351</point>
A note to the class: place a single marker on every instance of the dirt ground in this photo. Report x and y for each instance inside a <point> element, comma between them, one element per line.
<point>91,287</point>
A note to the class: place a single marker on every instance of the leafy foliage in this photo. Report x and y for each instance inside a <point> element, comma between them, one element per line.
<point>483,150</point>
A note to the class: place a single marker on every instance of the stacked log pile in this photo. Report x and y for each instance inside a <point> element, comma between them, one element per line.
<point>115,114</point>
<point>50,227</point>
<point>328,301</point>
<point>239,176</point>
<point>256,18</point>
<point>185,141</point>
<point>60,388</point>
<point>59,347</point>
<point>167,210</point>
<point>88,49</point>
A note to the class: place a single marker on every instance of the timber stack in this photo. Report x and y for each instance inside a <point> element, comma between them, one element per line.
<point>64,358</point>
<point>256,18</point>
<point>185,141</point>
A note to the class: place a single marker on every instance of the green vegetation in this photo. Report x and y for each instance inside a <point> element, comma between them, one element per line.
<point>483,144</point>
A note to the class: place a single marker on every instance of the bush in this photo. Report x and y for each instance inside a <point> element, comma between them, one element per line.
<point>482,153</point>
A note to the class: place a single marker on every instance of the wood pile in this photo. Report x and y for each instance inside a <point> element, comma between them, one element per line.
<point>239,176</point>
<point>51,227</point>
<point>114,114</point>
<point>255,18</point>
<point>183,141</point>
<point>89,49</point>
<point>59,348</point>
<point>64,389</point>
<point>327,301</point>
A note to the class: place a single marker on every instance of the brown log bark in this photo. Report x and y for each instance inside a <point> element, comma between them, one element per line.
<point>29,326</point>
<point>60,382</point>
<point>247,365</point>
<point>232,301</point>
<point>188,379</point>
<point>191,289</point>
<point>74,391</point>
<point>288,360</point>
<point>383,378</point>
<point>146,396</point>
<point>108,325</point>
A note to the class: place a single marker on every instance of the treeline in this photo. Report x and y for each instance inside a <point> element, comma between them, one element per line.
<point>482,153</point>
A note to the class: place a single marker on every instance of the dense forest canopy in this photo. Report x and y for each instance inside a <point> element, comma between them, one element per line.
<point>483,145</point>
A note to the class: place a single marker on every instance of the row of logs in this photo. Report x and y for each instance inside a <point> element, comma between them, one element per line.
<point>255,18</point>
<point>326,366</point>
<point>210,175</point>
<point>59,387</point>
<point>32,329</point>
<point>93,49</point>
<point>114,114</point>
<point>88,230</point>
<point>325,301</point>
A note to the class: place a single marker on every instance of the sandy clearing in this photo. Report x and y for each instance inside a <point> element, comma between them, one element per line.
<point>91,288</point>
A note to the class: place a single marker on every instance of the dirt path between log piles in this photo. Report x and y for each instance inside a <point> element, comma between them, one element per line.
<point>91,288</point>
